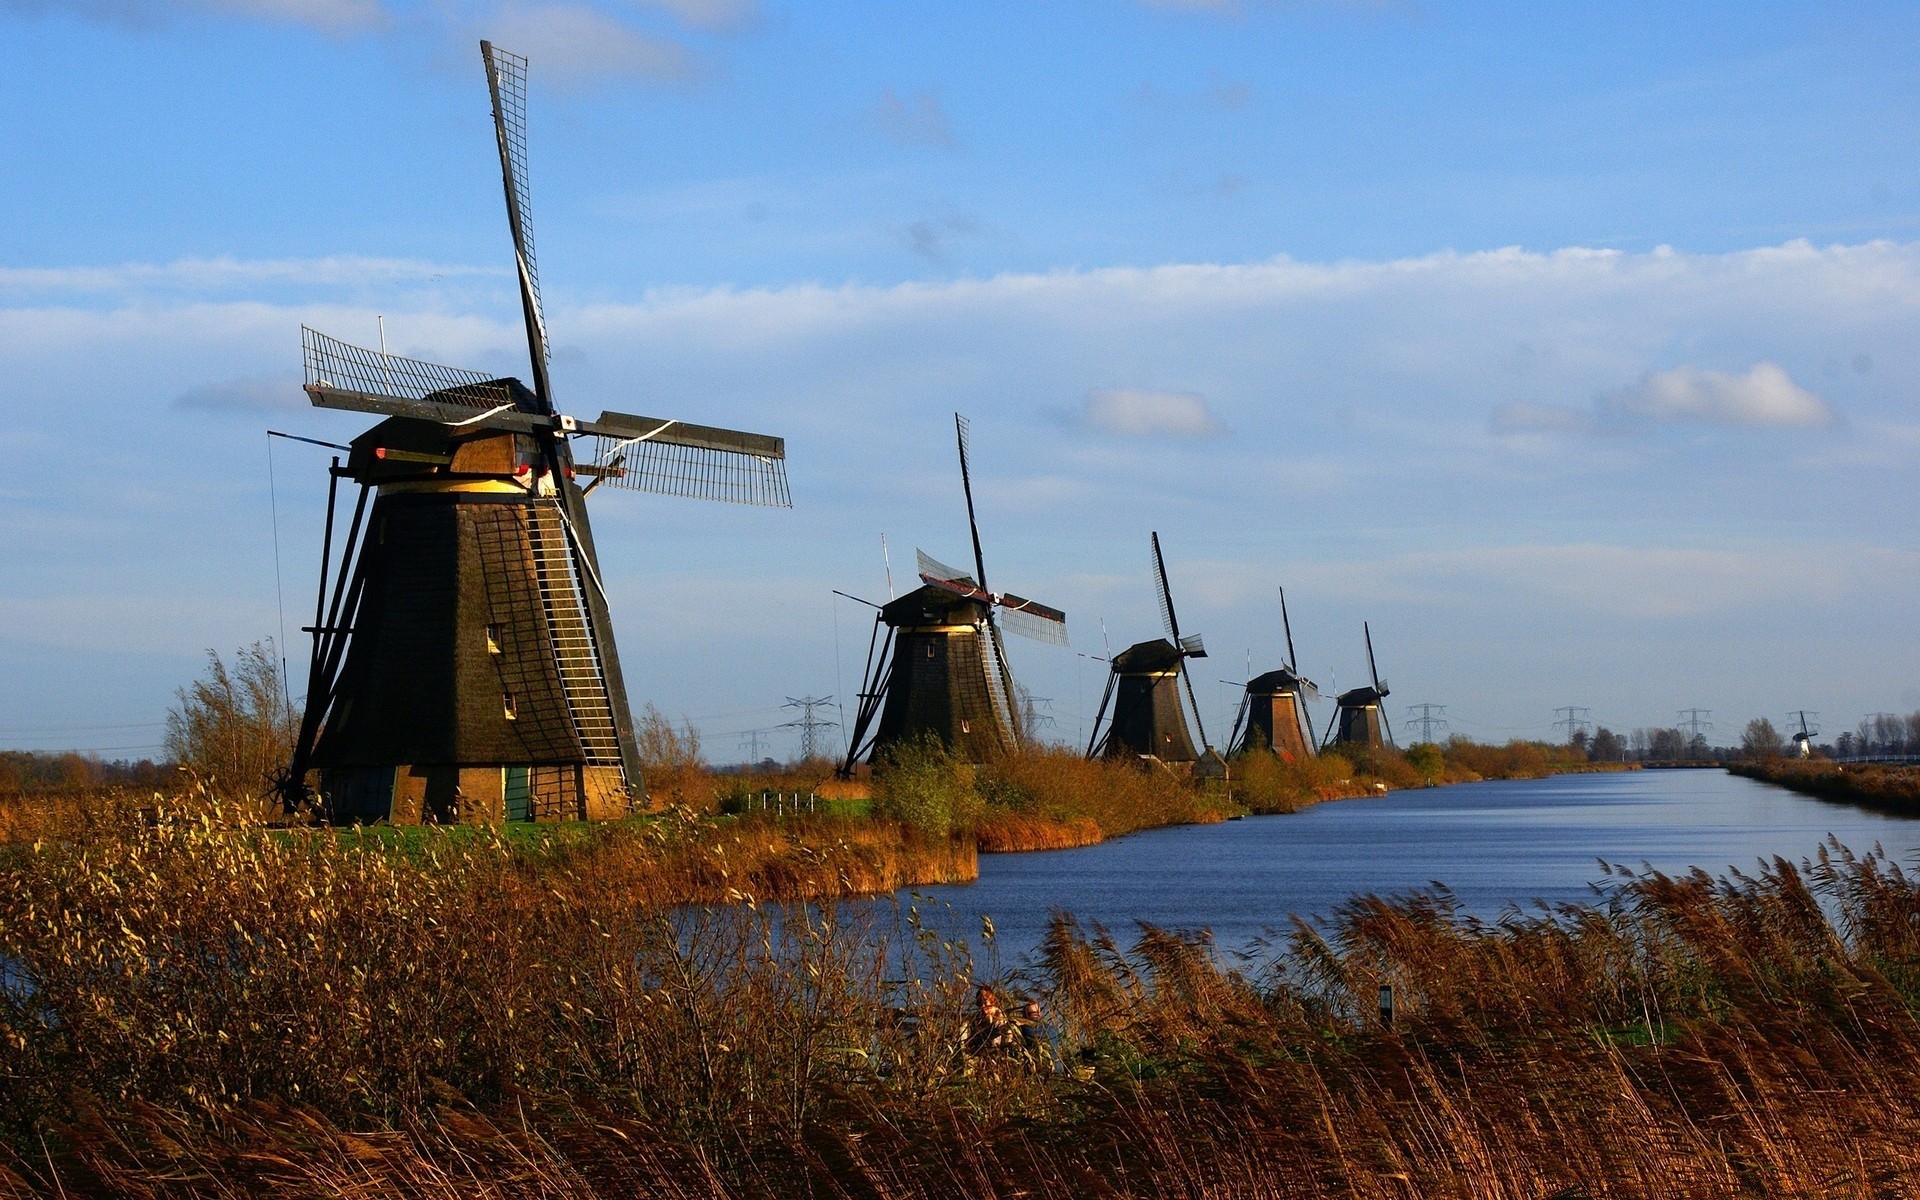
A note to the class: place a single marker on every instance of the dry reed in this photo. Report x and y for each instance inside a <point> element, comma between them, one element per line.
<point>249,1013</point>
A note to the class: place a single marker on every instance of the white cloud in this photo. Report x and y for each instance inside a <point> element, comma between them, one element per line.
<point>253,394</point>
<point>1765,396</point>
<point>330,16</point>
<point>715,15</point>
<point>1132,412</point>
<point>1633,582</point>
<point>224,274</point>
<point>1357,470</point>
<point>917,120</point>
<point>579,43</point>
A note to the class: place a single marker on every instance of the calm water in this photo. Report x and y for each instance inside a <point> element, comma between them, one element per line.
<point>1495,845</point>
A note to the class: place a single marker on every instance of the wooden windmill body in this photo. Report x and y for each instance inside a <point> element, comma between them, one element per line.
<point>1273,711</point>
<point>937,667</point>
<point>1275,716</point>
<point>463,664</point>
<point>1359,719</point>
<point>1141,709</point>
<point>1147,718</point>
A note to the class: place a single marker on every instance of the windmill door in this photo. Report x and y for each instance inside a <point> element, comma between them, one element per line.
<point>518,793</point>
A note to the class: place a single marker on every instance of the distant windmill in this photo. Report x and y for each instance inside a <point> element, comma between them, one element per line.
<point>1358,719</point>
<point>1143,691</point>
<point>1803,736</point>
<point>1273,712</point>
<point>464,667</point>
<point>941,670</point>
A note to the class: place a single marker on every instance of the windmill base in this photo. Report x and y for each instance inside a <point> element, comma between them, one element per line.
<point>472,795</point>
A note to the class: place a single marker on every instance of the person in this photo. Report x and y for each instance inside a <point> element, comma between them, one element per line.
<point>1033,1037</point>
<point>990,1027</point>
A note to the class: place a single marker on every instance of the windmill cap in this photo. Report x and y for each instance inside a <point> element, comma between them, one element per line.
<point>1145,657</point>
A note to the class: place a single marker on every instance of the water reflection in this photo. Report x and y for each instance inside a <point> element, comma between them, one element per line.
<point>1495,845</point>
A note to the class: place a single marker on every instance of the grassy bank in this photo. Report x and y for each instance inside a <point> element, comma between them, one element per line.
<point>195,1009</point>
<point>1892,787</point>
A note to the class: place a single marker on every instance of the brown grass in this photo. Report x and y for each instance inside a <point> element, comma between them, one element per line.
<point>246,1014</point>
<point>1888,786</point>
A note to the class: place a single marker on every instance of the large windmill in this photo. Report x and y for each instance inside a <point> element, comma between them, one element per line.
<point>940,669</point>
<point>1273,710</point>
<point>1143,691</point>
<point>1358,718</point>
<point>463,666</point>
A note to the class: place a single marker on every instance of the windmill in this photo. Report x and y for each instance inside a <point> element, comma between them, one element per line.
<point>1358,719</point>
<point>463,666</point>
<point>1803,736</point>
<point>940,669</point>
<point>1143,695</point>
<point>1273,711</point>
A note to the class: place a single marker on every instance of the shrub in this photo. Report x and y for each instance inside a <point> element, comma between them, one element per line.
<point>234,728</point>
<point>920,783</point>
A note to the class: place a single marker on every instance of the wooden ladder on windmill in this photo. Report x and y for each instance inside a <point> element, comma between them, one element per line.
<point>570,632</point>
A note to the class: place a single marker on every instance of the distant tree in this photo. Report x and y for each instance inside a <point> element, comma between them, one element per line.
<point>1426,759</point>
<point>1761,740</point>
<point>1666,745</point>
<point>233,727</point>
<point>1607,746</point>
<point>669,757</point>
<point>1581,742</point>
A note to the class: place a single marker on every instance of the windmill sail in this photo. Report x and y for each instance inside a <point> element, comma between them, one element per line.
<point>507,81</point>
<point>673,458</point>
<point>341,375</point>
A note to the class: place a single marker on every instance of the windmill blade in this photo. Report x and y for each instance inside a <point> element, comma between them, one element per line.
<point>1308,688</point>
<point>1167,617</point>
<point>1293,664</point>
<point>966,485</point>
<point>1199,722</point>
<point>1372,670</point>
<point>677,458</point>
<point>344,376</point>
<point>1031,620</point>
<point>507,81</point>
<point>939,574</point>
<point>1192,646</point>
<point>1000,683</point>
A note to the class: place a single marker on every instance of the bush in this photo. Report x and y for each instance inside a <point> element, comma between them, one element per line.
<point>920,783</point>
<point>670,762</point>
<point>234,728</point>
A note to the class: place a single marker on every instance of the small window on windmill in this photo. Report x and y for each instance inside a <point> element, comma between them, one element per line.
<point>966,727</point>
<point>929,649</point>
<point>493,637</point>
<point>512,709</point>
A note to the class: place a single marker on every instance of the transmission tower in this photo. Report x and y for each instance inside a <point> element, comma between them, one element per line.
<point>1694,720</point>
<point>1428,717</point>
<point>808,724</point>
<point>1573,718</point>
<point>751,743</point>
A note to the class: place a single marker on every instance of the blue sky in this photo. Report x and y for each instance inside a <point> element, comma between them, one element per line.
<point>1573,346</point>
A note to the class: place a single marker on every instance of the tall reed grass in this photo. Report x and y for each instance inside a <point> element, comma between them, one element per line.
<point>196,1009</point>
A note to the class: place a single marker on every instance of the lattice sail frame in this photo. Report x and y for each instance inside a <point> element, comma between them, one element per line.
<point>341,366</point>
<point>507,80</point>
<point>1018,615</point>
<point>697,472</point>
